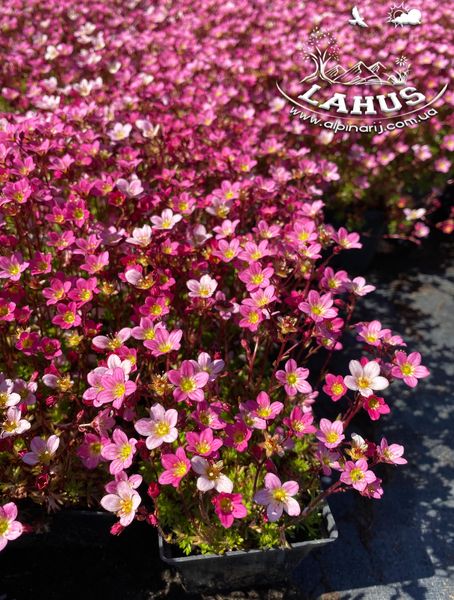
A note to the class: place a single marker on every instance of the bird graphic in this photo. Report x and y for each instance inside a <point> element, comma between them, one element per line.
<point>357,19</point>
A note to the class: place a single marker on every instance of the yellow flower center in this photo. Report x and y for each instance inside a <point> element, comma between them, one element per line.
<point>64,383</point>
<point>95,448</point>
<point>113,344</point>
<point>180,469</point>
<point>229,253</point>
<point>407,369</point>
<point>166,224</point>
<point>226,505</point>
<point>3,398</point>
<point>125,451</point>
<point>213,472</point>
<point>316,309</point>
<point>188,384</point>
<point>14,269</point>
<point>292,378</point>
<point>373,403</point>
<point>156,309</point>
<point>85,295</point>
<point>229,195</point>
<point>4,526</point>
<point>363,382</point>
<point>253,317</point>
<point>162,429</point>
<point>69,317</point>
<point>165,347</point>
<point>257,279</point>
<point>337,388</point>
<point>279,494</point>
<point>264,411</point>
<point>44,457</point>
<point>3,311</point>
<point>204,291</point>
<point>126,507</point>
<point>119,390</point>
<point>356,474</point>
<point>202,447</point>
<point>149,334</point>
<point>332,437</point>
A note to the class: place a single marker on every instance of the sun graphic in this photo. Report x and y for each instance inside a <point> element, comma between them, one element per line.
<point>401,61</point>
<point>395,11</point>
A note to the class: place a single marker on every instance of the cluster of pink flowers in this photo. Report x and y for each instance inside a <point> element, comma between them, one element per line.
<point>165,261</point>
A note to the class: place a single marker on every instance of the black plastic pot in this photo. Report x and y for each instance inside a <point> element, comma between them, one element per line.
<point>235,570</point>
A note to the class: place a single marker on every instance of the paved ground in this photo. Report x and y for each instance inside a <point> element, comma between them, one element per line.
<point>401,547</point>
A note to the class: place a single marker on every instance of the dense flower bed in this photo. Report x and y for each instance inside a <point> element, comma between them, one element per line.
<point>165,267</point>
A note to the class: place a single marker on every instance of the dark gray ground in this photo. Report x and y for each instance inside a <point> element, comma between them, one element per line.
<point>400,547</point>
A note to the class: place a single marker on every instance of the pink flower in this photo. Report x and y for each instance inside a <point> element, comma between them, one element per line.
<point>334,387</point>
<point>318,307</point>
<point>256,277</point>
<point>67,316</point>
<point>188,382</point>
<point>409,368</point>
<point>176,467</point>
<point>265,410</point>
<point>331,434</point>
<point>123,503</point>
<point>252,317</point>
<point>294,379</point>
<point>229,507</point>
<point>7,396</point>
<point>141,236</point>
<point>227,251</point>
<point>359,287</point>
<point>347,240</point>
<point>94,264</point>
<point>203,443</point>
<point>10,529</point>
<point>278,497</point>
<point>299,422</point>
<point>329,459</point>
<point>204,288</point>
<point>112,343</point>
<point>238,435</point>
<point>42,451</point>
<point>164,342</point>
<point>121,451</point>
<point>371,333</point>
<point>84,290</point>
<point>212,367</point>
<point>12,267</point>
<point>210,476</point>
<point>357,474</point>
<point>391,454</point>
<point>160,427</point>
<point>146,330</point>
<point>365,379</point>
<point>57,291</point>
<point>375,407</point>
<point>115,388</point>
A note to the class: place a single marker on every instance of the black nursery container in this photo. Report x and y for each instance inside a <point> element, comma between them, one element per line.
<point>239,569</point>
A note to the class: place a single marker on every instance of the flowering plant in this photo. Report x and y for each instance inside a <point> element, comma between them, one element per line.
<point>166,280</point>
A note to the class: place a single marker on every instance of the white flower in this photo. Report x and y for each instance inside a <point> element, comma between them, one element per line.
<point>13,425</point>
<point>365,379</point>
<point>203,288</point>
<point>131,188</point>
<point>412,214</point>
<point>141,236</point>
<point>120,132</point>
<point>147,129</point>
<point>7,396</point>
<point>167,219</point>
<point>41,450</point>
<point>211,476</point>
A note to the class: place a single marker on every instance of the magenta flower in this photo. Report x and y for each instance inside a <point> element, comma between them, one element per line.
<point>346,240</point>
<point>252,317</point>
<point>375,407</point>
<point>203,443</point>
<point>391,454</point>
<point>176,467</point>
<point>164,342</point>
<point>123,503</point>
<point>334,386</point>
<point>121,451</point>
<point>409,368</point>
<point>188,381</point>
<point>278,497</point>
<point>371,333</point>
<point>57,291</point>
<point>42,450</point>
<point>294,379</point>
<point>10,529</point>
<point>84,290</point>
<point>357,474</point>
<point>238,435</point>
<point>114,342</point>
<point>160,427</point>
<point>365,379</point>
<point>360,288</point>
<point>115,388</point>
<point>331,434</point>
<point>67,316</point>
<point>229,507</point>
<point>300,422</point>
<point>318,307</point>
<point>90,451</point>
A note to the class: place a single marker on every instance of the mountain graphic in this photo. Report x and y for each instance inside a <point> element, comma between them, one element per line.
<point>335,71</point>
<point>377,67</point>
<point>360,73</point>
